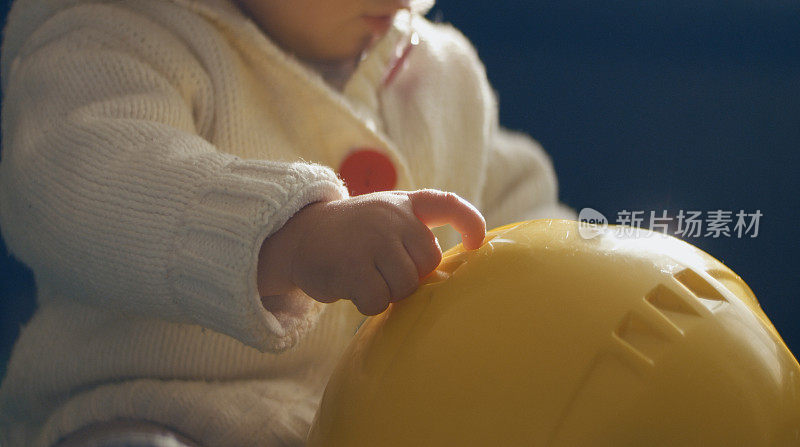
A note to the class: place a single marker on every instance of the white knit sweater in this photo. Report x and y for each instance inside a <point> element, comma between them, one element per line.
<point>149,147</point>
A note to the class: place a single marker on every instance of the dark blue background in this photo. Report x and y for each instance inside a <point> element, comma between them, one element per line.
<point>671,105</point>
<point>643,106</point>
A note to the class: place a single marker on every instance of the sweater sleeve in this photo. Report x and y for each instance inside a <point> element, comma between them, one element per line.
<point>520,182</point>
<point>110,195</point>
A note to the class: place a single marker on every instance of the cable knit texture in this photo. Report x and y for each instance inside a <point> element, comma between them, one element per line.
<point>150,146</point>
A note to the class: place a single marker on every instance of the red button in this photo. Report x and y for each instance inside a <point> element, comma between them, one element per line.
<point>367,170</point>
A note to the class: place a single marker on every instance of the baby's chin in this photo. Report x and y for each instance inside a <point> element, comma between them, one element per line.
<point>343,51</point>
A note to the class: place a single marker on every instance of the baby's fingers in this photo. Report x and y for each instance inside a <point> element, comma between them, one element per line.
<point>399,272</point>
<point>370,293</point>
<point>423,249</point>
<point>435,208</point>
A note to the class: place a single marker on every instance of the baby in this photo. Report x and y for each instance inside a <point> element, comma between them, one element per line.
<point>191,180</point>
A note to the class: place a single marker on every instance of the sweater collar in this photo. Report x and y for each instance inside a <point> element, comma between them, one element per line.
<point>361,90</point>
<point>359,101</point>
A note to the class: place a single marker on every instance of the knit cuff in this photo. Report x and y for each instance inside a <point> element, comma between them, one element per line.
<point>213,272</point>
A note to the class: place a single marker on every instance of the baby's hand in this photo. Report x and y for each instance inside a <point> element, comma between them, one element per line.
<point>371,249</point>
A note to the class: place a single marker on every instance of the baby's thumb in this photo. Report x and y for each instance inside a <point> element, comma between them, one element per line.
<point>436,208</point>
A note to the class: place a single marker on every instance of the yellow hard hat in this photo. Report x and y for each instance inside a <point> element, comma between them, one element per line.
<point>549,335</point>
